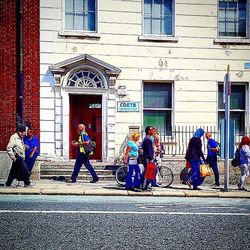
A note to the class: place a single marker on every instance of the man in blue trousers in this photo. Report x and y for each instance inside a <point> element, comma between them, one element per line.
<point>83,155</point>
<point>212,151</point>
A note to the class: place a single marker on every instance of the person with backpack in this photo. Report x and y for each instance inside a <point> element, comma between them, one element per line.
<point>83,155</point>
<point>212,151</point>
<point>244,149</point>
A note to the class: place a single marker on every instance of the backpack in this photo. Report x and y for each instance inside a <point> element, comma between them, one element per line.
<point>236,159</point>
<point>90,147</point>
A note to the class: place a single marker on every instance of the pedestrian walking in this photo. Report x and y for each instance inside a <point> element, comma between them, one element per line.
<point>31,148</point>
<point>244,161</point>
<point>83,155</point>
<point>148,154</point>
<point>212,152</point>
<point>131,158</point>
<point>195,157</point>
<point>16,151</point>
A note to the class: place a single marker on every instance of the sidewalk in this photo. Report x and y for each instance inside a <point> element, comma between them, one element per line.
<point>110,188</point>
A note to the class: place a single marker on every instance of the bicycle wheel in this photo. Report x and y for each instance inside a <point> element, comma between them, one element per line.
<point>121,175</point>
<point>164,177</point>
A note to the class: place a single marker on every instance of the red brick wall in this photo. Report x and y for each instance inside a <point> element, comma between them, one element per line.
<point>8,67</point>
<point>7,70</point>
<point>31,63</point>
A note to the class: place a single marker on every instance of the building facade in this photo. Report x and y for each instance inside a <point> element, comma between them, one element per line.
<point>117,65</point>
<point>19,66</point>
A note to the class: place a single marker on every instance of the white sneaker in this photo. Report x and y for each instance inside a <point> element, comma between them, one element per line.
<point>30,185</point>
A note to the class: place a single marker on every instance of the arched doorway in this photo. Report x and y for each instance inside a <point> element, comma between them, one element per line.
<point>86,108</point>
<point>84,91</point>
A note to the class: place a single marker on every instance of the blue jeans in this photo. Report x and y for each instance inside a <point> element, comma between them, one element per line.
<point>212,161</point>
<point>196,179</point>
<point>83,159</point>
<point>129,182</point>
<point>30,161</point>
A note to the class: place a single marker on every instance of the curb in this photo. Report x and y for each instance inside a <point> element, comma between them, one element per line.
<point>114,192</point>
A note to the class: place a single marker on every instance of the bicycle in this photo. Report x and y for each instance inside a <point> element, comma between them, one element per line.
<point>164,176</point>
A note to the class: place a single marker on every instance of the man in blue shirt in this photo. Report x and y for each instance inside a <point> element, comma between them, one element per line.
<point>212,151</point>
<point>31,148</point>
<point>83,155</point>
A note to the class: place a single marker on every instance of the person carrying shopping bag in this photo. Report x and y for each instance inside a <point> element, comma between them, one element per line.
<point>195,157</point>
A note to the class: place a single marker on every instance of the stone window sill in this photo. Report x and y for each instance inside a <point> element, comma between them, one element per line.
<point>79,34</point>
<point>158,38</point>
<point>232,41</point>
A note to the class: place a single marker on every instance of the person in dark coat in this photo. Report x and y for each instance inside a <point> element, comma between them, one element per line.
<point>16,151</point>
<point>148,154</point>
<point>195,157</point>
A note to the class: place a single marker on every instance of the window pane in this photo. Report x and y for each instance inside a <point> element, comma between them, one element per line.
<point>168,7</point>
<point>242,28</point>
<point>91,21</point>
<point>168,26</point>
<point>79,5</point>
<point>91,5</point>
<point>147,25</point>
<point>156,12</point>
<point>69,5</point>
<point>147,7</point>
<point>157,95</point>
<point>79,22</point>
<point>156,25</point>
<point>221,105</point>
<point>159,119</point>
<point>237,97</point>
<point>69,21</point>
<point>238,117</point>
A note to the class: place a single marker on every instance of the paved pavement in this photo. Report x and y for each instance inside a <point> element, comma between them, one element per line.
<point>110,188</point>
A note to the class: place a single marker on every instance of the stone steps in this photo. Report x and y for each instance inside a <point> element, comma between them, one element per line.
<point>105,170</point>
<point>52,170</point>
<point>80,177</point>
<point>66,171</point>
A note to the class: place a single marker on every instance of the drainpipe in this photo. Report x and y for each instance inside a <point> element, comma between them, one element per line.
<point>19,63</point>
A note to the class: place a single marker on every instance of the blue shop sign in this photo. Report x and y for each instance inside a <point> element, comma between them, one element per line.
<point>247,65</point>
<point>127,106</point>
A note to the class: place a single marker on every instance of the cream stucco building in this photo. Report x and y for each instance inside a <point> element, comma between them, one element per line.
<point>117,64</point>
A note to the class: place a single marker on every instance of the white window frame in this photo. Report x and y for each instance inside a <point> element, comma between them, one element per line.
<point>247,107</point>
<point>79,33</point>
<point>234,40</point>
<point>172,109</point>
<point>159,37</point>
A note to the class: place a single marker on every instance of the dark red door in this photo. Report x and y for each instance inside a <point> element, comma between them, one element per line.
<point>87,110</point>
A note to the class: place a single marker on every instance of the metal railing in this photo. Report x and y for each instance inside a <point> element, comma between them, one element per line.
<point>176,141</point>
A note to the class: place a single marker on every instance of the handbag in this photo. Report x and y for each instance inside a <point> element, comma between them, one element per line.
<point>150,173</point>
<point>205,170</point>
